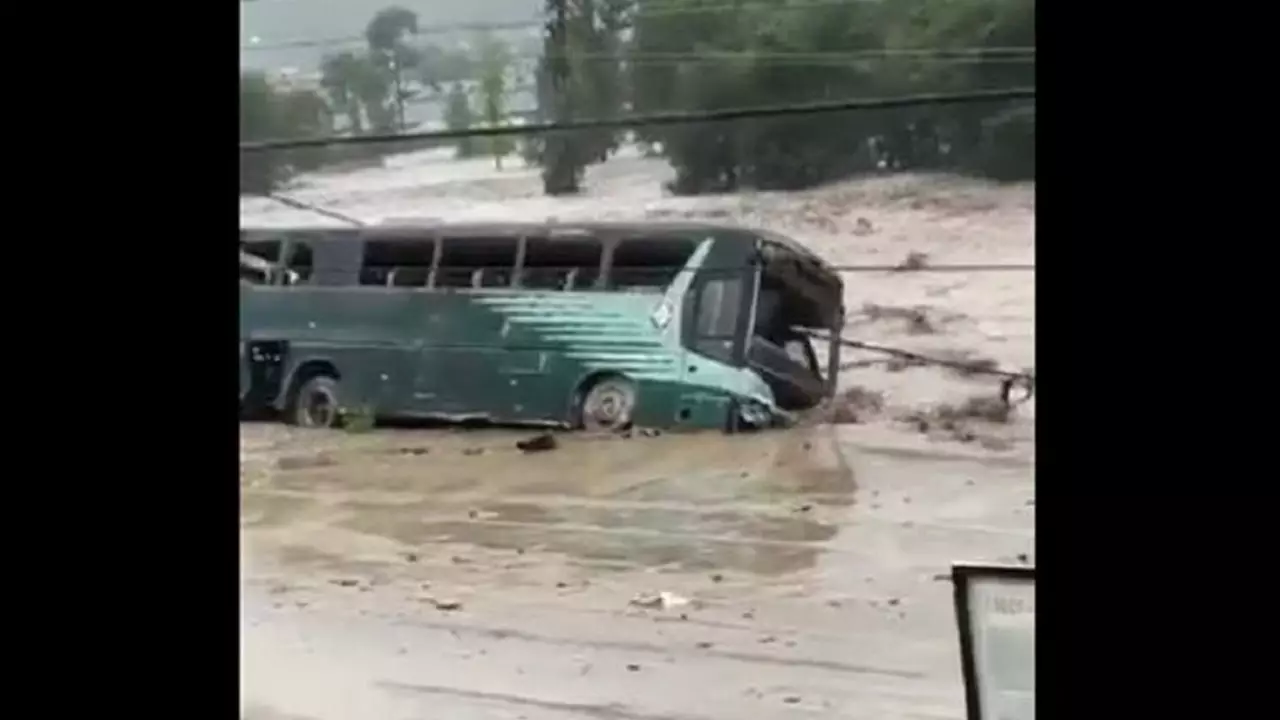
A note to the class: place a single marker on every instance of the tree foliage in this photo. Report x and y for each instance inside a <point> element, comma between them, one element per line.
<point>458,116</point>
<point>651,56</point>
<point>269,113</point>
<point>494,62</point>
<point>603,59</point>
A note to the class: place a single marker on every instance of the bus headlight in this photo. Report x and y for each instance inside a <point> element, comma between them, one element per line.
<point>754,414</point>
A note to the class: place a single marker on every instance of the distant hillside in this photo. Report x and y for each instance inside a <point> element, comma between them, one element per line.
<point>281,21</point>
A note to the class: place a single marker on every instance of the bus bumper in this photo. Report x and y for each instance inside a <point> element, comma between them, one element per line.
<point>756,415</point>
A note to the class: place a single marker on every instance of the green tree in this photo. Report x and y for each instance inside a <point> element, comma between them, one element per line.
<point>386,36</point>
<point>769,56</point>
<point>341,76</point>
<point>458,116</point>
<point>579,77</point>
<point>558,153</point>
<point>494,62</point>
<point>267,113</point>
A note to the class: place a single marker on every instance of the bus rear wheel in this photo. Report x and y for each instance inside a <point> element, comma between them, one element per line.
<point>609,404</point>
<point>316,403</point>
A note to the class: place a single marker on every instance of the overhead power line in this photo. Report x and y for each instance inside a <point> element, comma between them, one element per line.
<point>657,119</point>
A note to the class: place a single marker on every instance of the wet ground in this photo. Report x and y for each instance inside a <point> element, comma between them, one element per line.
<point>424,574</point>
<point>445,575</point>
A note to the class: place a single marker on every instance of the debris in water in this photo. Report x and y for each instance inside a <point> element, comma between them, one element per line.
<point>855,404</point>
<point>914,261</point>
<point>472,451</point>
<point>632,667</point>
<point>303,462</point>
<point>538,443</point>
<point>916,318</point>
<point>979,407</point>
<point>863,226</point>
<point>345,582</point>
<point>717,577</point>
<point>659,601</point>
<point>994,443</point>
<point>445,605</point>
<point>703,645</point>
<point>411,557</point>
<point>893,602</point>
<point>791,699</point>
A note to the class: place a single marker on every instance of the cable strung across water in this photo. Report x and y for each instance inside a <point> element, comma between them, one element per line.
<point>656,119</point>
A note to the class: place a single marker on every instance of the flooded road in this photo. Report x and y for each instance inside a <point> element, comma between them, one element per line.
<point>447,576</point>
<point>421,574</point>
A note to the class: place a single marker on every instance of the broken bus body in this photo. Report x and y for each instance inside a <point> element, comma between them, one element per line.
<point>596,326</point>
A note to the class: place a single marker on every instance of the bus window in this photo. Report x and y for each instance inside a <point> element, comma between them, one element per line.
<point>477,262</point>
<point>645,264</point>
<point>561,264</point>
<point>301,262</point>
<point>719,303</point>
<point>397,263</point>
<point>258,261</point>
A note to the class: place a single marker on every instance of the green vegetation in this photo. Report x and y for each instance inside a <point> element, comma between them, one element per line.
<point>608,58</point>
<point>679,58</point>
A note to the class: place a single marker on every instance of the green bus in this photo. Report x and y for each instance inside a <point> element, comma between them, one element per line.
<point>594,325</point>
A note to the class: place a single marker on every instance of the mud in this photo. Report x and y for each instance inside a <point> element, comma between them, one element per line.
<point>423,574</point>
<point>394,584</point>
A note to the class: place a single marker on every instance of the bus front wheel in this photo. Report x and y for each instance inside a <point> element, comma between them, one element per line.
<point>316,403</point>
<point>608,405</point>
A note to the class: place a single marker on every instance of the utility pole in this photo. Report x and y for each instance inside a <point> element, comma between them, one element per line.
<point>394,62</point>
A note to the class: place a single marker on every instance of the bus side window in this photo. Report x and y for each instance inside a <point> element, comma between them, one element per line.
<point>471,262</point>
<point>258,261</point>
<point>719,303</point>
<point>301,262</point>
<point>644,264</point>
<point>561,263</point>
<point>397,263</point>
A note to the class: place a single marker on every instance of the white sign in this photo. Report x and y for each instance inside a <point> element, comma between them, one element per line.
<point>996,612</point>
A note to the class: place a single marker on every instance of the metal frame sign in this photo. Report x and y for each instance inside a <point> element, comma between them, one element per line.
<point>996,614</point>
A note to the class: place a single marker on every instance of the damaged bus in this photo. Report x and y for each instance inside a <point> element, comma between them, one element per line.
<point>596,326</point>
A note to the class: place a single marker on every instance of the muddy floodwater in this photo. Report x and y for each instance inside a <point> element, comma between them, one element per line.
<point>423,574</point>
<point>436,575</point>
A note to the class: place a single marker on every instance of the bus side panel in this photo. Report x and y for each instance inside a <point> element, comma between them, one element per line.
<point>367,374</point>
<point>554,344</point>
<point>364,335</point>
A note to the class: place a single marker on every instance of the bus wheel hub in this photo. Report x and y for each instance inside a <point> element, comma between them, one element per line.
<point>608,405</point>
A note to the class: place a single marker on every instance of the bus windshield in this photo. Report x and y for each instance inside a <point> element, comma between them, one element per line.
<point>791,301</point>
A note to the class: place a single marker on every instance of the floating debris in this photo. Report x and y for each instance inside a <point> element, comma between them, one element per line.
<point>659,601</point>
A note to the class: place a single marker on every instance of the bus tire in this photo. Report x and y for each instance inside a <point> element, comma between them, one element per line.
<point>608,404</point>
<point>316,403</point>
